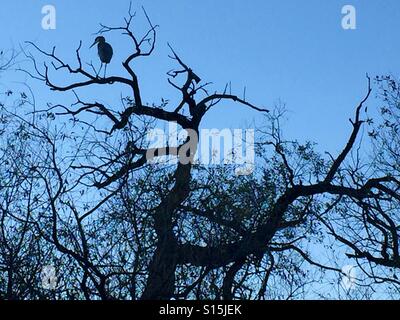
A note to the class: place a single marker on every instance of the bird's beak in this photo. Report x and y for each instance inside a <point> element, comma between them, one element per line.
<point>93,44</point>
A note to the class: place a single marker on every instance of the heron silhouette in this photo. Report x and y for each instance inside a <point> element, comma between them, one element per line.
<point>105,52</point>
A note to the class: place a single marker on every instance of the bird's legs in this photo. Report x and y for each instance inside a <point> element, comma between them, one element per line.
<point>105,69</point>
<point>101,67</point>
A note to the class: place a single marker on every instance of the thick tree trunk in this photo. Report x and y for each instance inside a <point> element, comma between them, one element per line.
<point>161,279</point>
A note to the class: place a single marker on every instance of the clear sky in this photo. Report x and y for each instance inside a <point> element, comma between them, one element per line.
<point>289,50</point>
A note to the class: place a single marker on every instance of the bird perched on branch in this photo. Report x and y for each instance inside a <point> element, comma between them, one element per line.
<point>105,52</point>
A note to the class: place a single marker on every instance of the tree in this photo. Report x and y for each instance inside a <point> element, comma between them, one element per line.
<point>119,225</point>
<point>369,226</point>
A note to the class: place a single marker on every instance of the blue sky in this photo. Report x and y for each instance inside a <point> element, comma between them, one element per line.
<point>289,50</point>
